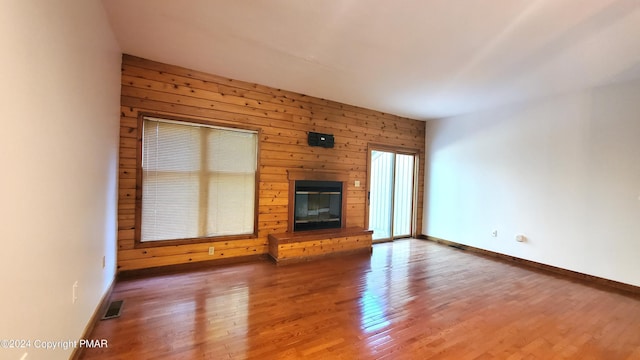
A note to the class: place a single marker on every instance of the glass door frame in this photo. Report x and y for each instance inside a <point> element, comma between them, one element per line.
<point>414,200</point>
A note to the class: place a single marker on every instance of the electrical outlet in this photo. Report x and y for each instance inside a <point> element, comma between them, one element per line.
<point>521,238</point>
<point>74,292</point>
<point>211,250</point>
<point>494,233</point>
<point>357,183</point>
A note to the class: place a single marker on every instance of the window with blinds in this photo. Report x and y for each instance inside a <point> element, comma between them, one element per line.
<point>197,181</point>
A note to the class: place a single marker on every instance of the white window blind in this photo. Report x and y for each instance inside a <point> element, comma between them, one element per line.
<point>197,181</point>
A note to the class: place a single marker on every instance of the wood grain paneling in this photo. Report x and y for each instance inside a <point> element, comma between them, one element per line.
<point>284,119</point>
<point>293,247</point>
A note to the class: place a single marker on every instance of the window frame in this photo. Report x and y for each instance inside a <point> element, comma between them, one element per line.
<point>138,243</point>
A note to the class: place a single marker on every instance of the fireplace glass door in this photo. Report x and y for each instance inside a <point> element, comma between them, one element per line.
<point>318,205</point>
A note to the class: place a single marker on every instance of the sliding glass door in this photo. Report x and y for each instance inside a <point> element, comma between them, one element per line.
<point>381,193</point>
<point>391,194</point>
<point>403,196</point>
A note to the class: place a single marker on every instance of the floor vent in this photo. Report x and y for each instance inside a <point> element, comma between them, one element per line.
<point>114,310</point>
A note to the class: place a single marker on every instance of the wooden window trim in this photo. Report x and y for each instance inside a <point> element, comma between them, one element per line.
<point>138,201</point>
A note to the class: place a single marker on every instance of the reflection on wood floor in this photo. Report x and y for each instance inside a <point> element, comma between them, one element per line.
<point>411,299</point>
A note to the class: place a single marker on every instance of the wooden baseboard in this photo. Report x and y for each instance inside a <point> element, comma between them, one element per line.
<point>177,268</point>
<point>97,315</point>
<point>590,279</point>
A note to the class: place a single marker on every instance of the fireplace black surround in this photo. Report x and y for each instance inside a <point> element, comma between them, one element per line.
<point>318,205</point>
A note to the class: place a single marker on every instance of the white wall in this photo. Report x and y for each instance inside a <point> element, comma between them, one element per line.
<point>564,171</point>
<point>59,93</point>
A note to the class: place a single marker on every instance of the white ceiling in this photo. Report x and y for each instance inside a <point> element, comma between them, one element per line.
<point>416,58</point>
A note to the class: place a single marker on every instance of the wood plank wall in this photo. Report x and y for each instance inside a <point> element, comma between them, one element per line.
<point>284,119</point>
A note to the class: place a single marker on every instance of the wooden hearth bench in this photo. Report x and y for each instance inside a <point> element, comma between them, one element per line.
<point>299,246</point>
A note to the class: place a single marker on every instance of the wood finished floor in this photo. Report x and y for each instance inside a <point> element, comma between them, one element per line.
<point>411,299</point>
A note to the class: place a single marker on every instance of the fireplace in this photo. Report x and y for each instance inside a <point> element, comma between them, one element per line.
<point>318,205</point>
<point>317,199</point>
<point>317,222</point>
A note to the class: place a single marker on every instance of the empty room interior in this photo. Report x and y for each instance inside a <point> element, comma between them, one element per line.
<point>320,180</point>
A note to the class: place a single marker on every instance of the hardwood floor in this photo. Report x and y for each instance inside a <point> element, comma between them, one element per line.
<point>411,299</point>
